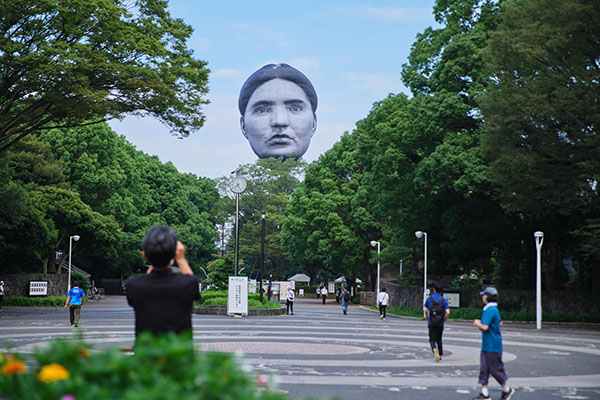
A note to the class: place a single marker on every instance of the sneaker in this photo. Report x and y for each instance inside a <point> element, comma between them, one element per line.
<point>381,316</point>
<point>436,355</point>
<point>482,397</point>
<point>507,395</point>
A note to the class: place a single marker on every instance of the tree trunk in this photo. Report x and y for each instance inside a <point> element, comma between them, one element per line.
<point>552,260</point>
<point>596,275</point>
<point>367,271</point>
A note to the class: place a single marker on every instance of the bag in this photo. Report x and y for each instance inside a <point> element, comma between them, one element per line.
<point>436,312</point>
<point>347,296</point>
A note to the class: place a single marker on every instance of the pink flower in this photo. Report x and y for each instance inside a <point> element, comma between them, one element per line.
<point>67,397</point>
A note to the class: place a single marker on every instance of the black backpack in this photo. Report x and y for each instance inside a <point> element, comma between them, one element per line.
<point>347,296</point>
<point>436,312</point>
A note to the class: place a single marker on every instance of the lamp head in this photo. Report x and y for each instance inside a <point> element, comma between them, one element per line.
<point>75,237</point>
<point>539,234</point>
<point>419,234</point>
<point>373,243</point>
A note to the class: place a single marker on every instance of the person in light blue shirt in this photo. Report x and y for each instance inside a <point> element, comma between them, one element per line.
<point>74,301</point>
<point>490,359</point>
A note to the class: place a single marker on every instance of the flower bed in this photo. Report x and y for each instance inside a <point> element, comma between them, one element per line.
<point>161,368</point>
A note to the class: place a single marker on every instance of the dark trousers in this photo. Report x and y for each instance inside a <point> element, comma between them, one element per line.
<point>324,298</point>
<point>74,312</point>
<point>435,338</point>
<point>491,364</point>
<point>289,306</point>
<point>382,310</point>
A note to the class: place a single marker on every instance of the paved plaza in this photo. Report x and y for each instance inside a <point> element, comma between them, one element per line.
<point>318,352</point>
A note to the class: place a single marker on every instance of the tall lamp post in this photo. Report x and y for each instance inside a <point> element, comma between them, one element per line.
<point>71,238</point>
<point>419,235</point>
<point>262,255</point>
<point>539,240</point>
<point>373,244</point>
<point>237,186</point>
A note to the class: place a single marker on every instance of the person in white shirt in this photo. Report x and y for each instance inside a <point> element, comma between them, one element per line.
<point>290,301</point>
<point>324,294</point>
<point>1,293</point>
<point>382,302</point>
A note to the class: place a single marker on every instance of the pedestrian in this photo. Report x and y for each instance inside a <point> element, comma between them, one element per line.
<point>337,295</point>
<point>437,312</point>
<point>269,293</point>
<point>163,298</point>
<point>324,294</point>
<point>382,301</point>
<point>74,299</point>
<point>345,300</point>
<point>318,292</point>
<point>1,293</point>
<point>490,359</point>
<point>290,300</point>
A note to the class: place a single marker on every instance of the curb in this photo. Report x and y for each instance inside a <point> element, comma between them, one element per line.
<point>209,310</point>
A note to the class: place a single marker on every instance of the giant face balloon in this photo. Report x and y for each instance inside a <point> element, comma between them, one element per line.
<point>278,105</point>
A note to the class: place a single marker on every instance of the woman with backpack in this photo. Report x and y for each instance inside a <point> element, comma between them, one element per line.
<point>437,311</point>
<point>345,300</point>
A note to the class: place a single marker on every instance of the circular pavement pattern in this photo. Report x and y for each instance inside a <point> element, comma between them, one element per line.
<point>294,348</point>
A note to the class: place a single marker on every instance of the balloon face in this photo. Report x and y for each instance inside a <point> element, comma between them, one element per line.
<point>279,120</point>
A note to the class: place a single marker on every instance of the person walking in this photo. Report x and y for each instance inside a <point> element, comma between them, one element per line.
<point>1,293</point>
<point>338,293</point>
<point>437,312</point>
<point>290,300</point>
<point>318,293</point>
<point>382,301</point>
<point>74,299</point>
<point>324,294</point>
<point>345,300</point>
<point>490,359</point>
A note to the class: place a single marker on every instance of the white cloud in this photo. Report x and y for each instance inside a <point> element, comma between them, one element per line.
<point>382,13</point>
<point>227,73</point>
<point>201,44</point>
<point>260,34</point>
<point>376,83</point>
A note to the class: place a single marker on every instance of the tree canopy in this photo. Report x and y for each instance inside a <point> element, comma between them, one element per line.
<point>66,63</point>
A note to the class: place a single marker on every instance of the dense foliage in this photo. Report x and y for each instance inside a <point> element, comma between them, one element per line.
<point>71,63</point>
<point>160,368</point>
<point>90,182</point>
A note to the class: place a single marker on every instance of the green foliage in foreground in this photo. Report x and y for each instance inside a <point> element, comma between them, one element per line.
<point>22,301</point>
<point>165,368</point>
<point>474,313</point>
<point>216,298</point>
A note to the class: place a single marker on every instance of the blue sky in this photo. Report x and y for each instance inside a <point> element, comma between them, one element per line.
<point>351,51</point>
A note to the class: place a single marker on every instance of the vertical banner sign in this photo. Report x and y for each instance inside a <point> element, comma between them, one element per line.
<point>237,300</point>
<point>252,286</point>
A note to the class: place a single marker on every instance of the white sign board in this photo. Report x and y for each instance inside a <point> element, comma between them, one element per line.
<point>237,299</point>
<point>252,286</point>
<point>453,299</point>
<point>38,288</point>
<point>300,292</point>
<point>331,288</point>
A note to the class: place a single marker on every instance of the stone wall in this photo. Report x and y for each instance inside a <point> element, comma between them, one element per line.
<point>18,285</point>
<point>508,299</point>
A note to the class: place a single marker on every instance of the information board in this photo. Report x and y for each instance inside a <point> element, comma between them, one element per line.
<point>453,299</point>
<point>38,288</point>
<point>237,299</point>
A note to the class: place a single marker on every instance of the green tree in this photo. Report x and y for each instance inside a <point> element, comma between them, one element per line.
<point>542,117</point>
<point>72,63</point>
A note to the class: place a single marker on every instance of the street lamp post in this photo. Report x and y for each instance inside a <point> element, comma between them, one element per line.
<point>373,244</point>
<point>539,240</point>
<point>419,235</point>
<point>262,255</point>
<point>71,238</point>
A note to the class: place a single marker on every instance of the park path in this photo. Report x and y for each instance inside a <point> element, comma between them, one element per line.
<point>319,352</point>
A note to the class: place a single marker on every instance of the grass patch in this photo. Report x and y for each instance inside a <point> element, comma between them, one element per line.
<point>217,298</point>
<point>475,313</point>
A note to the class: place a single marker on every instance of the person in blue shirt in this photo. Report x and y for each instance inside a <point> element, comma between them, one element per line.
<point>74,300</point>
<point>490,360</point>
<point>437,312</point>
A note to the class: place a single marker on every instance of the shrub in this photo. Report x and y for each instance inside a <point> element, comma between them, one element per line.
<point>21,301</point>
<point>218,298</point>
<point>161,368</point>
